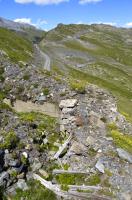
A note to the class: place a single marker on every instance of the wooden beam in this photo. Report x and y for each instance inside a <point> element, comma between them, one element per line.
<point>61,171</point>
<point>71,193</point>
<point>59,152</point>
<point>50,186</point>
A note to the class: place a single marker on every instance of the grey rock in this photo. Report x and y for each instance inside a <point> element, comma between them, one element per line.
<point>90,140</point>
<point>22,184</point>
<point>126,196</point>
<point>78,148</point>
<point>99,165</point>
<point>124,155</point>
<point>29,176</point>
<point>45,141</point>
<point>41,98</point>
<point>9,161</point>
<point>67,110</point>
<point>36,165</point>
<point>4,178</point>
<point>14,163</point>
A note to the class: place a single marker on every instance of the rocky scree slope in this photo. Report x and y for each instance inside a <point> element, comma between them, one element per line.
<point>95,163</point>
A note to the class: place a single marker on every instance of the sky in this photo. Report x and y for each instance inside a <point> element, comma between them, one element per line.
<point>46,14</point>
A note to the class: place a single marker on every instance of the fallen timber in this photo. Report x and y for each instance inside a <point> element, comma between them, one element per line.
<point>60,171</point>
<point>71,193</point>
<point>61,149</point>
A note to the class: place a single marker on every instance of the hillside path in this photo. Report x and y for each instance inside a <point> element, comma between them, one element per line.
<point>44,58</point>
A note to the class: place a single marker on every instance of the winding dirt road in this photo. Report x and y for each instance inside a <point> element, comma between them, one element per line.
<point>45,58</point>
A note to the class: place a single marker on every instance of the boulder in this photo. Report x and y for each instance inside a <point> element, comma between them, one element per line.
<point>124,155</point>
<point>68,103</point>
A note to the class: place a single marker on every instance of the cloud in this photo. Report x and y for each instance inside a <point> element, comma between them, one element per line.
<point>79,22</point>
<point>23,20</point>
<point>39,23</point>
<point>41,2</point>
<point>129,24</point>
<point>89,1</point>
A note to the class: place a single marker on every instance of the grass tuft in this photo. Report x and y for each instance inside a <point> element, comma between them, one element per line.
<point>122,140</point>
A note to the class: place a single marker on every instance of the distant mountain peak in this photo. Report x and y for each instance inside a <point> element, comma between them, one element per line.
<point>17,26</point>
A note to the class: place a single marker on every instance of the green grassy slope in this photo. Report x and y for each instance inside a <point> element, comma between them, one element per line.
<point>16,47</point>
<point>110,49</point>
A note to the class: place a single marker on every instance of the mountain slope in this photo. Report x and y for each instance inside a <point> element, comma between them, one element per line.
<point>27,30</point>
<point>100,54</point>
<point>15,47</point>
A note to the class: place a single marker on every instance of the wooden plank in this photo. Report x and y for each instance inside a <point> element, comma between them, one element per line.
<point>61,171</point>
<point>84,187</point>
<point>59,152</point>
<point>50,186</point>
<point>71,193</point>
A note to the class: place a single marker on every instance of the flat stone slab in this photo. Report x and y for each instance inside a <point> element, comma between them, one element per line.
<point>49,109</point>
<point>68,103</point>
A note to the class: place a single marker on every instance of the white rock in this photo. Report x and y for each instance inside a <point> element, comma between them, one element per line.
<point>45,141</point>
<point>68,103</point>
<point>25,154</point>
<point>6,151</point>
<point>99,151</point>
<point>41,94</point>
